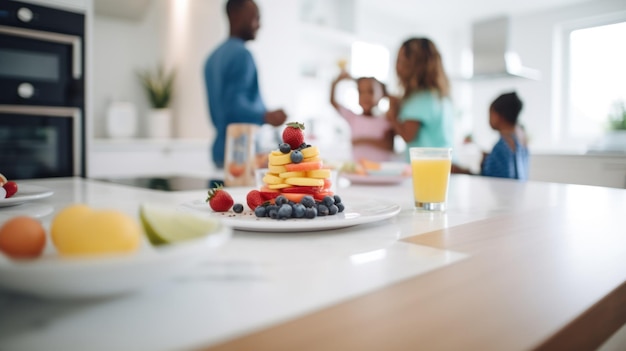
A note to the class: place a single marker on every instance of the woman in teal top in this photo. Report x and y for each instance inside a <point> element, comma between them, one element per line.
<point>423,117</point>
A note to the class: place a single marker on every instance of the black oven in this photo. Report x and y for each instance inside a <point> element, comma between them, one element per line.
<point>40,141</point>
<point>42,94</point>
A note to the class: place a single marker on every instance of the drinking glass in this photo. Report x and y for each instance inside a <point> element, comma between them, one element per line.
<point>431,175</point>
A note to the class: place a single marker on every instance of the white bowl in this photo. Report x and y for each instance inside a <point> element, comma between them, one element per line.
<point>52,276</point>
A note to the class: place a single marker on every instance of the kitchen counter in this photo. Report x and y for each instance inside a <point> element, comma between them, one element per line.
<point>509,266</point>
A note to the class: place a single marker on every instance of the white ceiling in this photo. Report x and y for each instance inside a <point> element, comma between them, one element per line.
<point>459,12</point>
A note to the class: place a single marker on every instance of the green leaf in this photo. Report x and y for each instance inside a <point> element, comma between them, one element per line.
<point>158,85</point>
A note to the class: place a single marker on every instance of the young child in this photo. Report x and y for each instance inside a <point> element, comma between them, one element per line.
<point>509,156</point>
<point>423,116</point>
<point>372,137</point>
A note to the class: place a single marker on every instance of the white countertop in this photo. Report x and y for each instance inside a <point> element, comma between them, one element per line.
<point>258,279</point>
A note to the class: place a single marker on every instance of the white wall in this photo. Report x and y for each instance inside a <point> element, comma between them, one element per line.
<point>182,34</point>
<point>276,51</point>
<point>122,48</point>
<point>195,28</point>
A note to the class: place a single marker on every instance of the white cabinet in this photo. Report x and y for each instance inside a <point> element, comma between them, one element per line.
<point>137,157</point>
<point>601,170</point>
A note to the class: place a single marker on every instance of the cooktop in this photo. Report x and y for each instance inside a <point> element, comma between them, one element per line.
<point>166,183</point>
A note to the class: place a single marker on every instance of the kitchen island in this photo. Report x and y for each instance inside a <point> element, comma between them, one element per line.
<point>509,266</point>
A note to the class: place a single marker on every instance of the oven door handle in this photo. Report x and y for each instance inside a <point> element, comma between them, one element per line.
<point>63,112</point>
<point>73,40</point>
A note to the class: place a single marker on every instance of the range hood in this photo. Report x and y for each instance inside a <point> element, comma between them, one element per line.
<point>492,56</point>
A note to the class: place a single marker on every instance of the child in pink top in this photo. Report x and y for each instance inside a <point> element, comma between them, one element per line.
<point>372,136</point>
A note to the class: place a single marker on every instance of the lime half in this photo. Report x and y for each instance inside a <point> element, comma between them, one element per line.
<point>165,225</point>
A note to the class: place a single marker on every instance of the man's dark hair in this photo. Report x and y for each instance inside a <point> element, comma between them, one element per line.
<point>233,6</point>
<point>508,106</point>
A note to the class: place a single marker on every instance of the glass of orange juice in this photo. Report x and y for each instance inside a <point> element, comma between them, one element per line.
<point>431,175</point>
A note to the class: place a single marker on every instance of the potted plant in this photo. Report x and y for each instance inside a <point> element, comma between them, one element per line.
<point>617,117</point>
<point>159,86</point>
<point>614,140</point>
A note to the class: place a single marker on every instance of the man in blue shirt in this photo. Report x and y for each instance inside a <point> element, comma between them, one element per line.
<point>231,78</point>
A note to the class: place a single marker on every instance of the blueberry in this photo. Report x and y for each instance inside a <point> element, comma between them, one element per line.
<point>322,210</point>
<point>333,209</point>
<point>340,207</point>
<point>298,210</point>
<point>280,200</point>
<point>328,201</point>
<point>238,208</point>
<point>308,201</point>
<point>273,214</point>
<point>337,199</point>
<point>284,211</point>
<point>259,211</point>
<point>271,209</point>
<point>310,212</point>
<point>284,148</point>
<point>303,146</point>
<point>296,156</point>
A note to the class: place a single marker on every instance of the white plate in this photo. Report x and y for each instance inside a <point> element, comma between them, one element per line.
<point>374,179</point>
<point>25,193</point>
<point>357,212</point>
<point>52,276</point>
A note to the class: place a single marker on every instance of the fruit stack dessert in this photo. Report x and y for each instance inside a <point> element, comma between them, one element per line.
<point>296,169</point>
<point>296,185</point>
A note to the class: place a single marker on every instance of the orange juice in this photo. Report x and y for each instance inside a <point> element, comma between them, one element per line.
<point>430,179</point>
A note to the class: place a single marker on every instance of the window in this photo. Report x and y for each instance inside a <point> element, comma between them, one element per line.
<point>596,78</point>
<point>370,60</point>
<point>366,60</point>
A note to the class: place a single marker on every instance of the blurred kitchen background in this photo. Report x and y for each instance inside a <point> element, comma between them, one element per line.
<point>565,58</point>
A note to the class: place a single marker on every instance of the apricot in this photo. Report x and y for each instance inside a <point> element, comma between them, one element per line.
<point>22,237</point>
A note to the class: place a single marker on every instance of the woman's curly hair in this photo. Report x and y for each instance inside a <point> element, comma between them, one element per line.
<point>425,68</point>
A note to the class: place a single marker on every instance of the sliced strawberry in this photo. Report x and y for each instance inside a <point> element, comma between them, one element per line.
<point>303,166</point>
<point>303,189</point>
<point>295,197</point>
<point>271,195</point>
<point>327,183</point>
<point>265,189</point>
<point>320,196</point>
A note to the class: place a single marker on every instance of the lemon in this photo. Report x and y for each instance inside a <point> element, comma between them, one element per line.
<point>164,224</point>
<point>81,230</point>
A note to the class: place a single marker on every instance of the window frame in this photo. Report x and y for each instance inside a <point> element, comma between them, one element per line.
<point>561,125</point>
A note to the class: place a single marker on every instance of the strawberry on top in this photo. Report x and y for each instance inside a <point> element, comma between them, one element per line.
<point>293,135</point>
